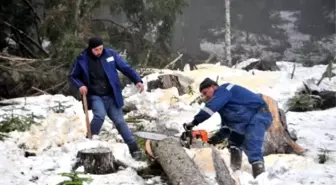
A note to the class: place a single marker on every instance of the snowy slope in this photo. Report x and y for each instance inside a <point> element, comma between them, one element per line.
<point>59,137</point>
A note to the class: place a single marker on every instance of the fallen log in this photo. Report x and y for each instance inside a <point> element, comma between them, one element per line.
<point>223,176</point>
<point>309,99</point>
<point>166,81</point>
<point>278,139</point>
<point>96,161</point>
<point>177,165</point>
<point>262,65</point>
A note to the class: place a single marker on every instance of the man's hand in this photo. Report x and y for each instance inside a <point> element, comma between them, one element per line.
<point>188,126</point>
<point>140,86</point>
<point>83,90</point>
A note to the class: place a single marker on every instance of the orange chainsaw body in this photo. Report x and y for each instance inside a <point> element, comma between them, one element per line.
<point>202,134</point>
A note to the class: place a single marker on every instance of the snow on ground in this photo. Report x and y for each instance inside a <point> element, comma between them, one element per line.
<point>60,135</point>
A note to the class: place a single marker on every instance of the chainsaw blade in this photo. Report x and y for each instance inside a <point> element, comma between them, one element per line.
<point>150,135</point>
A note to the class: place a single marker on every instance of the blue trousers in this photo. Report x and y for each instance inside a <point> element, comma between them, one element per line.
<point>253,139</point>
<point>105,105</point>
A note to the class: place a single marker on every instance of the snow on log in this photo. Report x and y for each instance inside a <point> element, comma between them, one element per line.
<point>178,166</point>
<point>96,161</point>
<point>278,139</point>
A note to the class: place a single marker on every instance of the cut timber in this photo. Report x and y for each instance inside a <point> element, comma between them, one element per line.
<point>223,176</point>
<point>165,82</point>
<point>278,139</point>
<point>178,166</point>
<point>96,161</point>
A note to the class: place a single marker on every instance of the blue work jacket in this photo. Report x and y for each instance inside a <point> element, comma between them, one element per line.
<point>235,104</point>
<point>111,62</point>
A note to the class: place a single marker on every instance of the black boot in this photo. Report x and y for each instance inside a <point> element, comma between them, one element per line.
<point>135,151</point>
<point>258,167</point>
<point>235,158</point>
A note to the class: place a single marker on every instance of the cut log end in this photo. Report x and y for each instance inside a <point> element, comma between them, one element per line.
<point>96,161</point>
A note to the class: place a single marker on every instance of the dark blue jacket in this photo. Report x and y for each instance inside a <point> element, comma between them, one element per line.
<point>235,104</point>
<point>111,61</point>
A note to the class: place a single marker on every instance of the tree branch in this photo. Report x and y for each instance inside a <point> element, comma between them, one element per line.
<point>27,36</point>
<point>32,9</point>
<point>15,58</point>
<point>110,21</point>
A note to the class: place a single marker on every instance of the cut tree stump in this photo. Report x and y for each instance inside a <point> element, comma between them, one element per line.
<point>177,165</point>
<point>278,139</point>
<point>96,161</point>
<point>165,82</point>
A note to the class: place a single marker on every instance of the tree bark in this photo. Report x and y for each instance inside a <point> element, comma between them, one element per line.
<point>278,139</point>
<point>96,161</point>
<point>228,33</point>
<point>223,176</point>
<point>178,166</point>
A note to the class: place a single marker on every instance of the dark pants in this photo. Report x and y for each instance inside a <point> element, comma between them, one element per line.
<point>105,105</point>
<point>252,141</point>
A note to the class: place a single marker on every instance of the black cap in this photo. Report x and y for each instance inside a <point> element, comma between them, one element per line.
<point>207,82</point>
<point>94,42</point>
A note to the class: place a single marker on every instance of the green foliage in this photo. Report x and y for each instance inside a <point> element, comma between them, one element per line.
<point>303,102</point>
<point>12,122</point>
<point>74,179</point>
<point>59,108</point>
<point>150,29</point>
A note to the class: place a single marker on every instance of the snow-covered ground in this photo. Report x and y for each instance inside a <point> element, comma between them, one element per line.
<point>60,135</point>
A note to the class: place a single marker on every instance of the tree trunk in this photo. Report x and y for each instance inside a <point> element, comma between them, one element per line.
<point>96,161</point>
<point>178,166</point>
<point>278,139</point>
<point>223,176</point>
<point>228,33</point>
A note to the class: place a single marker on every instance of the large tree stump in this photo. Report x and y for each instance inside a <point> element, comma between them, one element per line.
<point>278,139</point>
<point>96,161</point>
<point>178,166</point>
<point>166,81</point>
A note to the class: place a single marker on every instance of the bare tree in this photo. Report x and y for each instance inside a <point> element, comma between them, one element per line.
<point>227,33</point>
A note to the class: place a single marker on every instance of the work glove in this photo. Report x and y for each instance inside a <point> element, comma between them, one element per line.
<point>214,140</point>
<point>188,126</point>
<point>219,136</point>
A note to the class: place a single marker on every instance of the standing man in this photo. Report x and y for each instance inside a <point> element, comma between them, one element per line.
<point>246,117</point>
<point>95,74</point>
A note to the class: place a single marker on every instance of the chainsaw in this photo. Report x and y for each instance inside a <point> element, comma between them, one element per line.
<point>188,138</point>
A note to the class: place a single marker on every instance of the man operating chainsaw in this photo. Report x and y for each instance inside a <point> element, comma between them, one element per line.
<point>245,119</point>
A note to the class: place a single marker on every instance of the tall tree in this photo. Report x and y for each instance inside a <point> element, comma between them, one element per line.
<point>228,33</point>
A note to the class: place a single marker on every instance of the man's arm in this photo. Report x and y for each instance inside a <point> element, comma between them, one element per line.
<point>126,69</point>
<point>220,98</point>
<point>75,74</point>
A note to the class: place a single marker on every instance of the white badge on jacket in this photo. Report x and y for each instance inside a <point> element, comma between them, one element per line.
<point>110,59</point>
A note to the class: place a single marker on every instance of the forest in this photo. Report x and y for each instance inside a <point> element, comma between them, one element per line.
<point>40,39</point>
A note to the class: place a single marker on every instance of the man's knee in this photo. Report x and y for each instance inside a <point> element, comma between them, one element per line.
<point>253,150</point>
